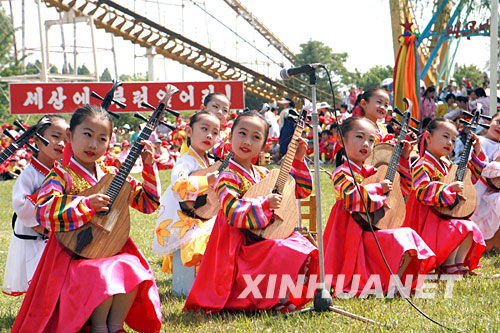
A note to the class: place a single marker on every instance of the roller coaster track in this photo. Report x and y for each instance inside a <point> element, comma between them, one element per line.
<point>257,25</point>
<point>124,23</point>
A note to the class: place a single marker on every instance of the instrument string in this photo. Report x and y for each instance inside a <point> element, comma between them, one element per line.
<point>397,282</point>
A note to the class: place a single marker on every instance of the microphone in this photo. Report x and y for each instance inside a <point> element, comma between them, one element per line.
<point>286,74</point>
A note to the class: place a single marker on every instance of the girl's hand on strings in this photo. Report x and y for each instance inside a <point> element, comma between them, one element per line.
<point>99,202</point>
<point>407,148</point>
<point>274,200</point>
<point>301,149</point>
<point>212,177</point>
<point>147,153</point>
<point>457,187</point>
<point>386,185</point>
<point>476,144</point>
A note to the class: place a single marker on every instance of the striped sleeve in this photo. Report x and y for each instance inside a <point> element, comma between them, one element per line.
<point>246,213</point>
<point>303,179</point>
<point>476,165</point>
<point>371,194</point>
<point>404,170</point>
<point>428,192</point>
<point>58,211</point>
<point>144,196</point>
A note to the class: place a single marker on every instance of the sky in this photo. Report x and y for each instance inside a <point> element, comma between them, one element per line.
<point>362,28</point>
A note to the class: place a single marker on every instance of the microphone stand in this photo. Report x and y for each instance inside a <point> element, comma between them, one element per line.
<point>322,298</point>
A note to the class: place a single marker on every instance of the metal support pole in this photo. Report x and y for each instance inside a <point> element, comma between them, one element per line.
<point>493,57</point>
<point>43,70</point>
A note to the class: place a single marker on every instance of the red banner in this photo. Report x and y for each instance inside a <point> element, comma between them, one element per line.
<point>46,98</point>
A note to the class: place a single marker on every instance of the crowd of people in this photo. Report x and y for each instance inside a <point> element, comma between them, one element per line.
<point>222,249</point>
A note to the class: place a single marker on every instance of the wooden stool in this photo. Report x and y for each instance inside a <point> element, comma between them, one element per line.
<point>307,218</point>
<point>182,276</point>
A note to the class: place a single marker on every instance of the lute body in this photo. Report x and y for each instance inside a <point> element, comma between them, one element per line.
<point>467,199</point>
<point>390,216</point>
<point>109,232</point>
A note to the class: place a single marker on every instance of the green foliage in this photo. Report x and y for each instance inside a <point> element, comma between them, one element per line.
<point>372,78</point>
<point>83,70</point>
<point>469,72</point>
<point>317,52</point>
<point>135,77</point>
<point>106,76</point>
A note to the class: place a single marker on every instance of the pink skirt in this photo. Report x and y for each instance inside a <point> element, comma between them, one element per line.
<point>64,292</point>
<point>352,254</point>
<point>443,236</point>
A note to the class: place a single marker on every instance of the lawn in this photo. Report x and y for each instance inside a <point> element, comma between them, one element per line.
<point>474,304</point>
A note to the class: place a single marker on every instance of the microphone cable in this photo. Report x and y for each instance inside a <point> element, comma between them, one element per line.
<point>397,281</point>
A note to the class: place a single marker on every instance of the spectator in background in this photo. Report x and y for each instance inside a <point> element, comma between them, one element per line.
<point>271,116</point>
<point>427,104</point>
<point>126,132</point>
<point>447,107</point>
<point>457,112</point>
<point>463,90</point>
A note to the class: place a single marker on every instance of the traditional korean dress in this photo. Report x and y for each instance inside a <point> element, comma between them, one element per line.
<point>487,214</point>
<point>233,254</point>
<point>65,290</point>
<point>382,135</point>
<point>441,235</point>
<point>178,229</point>
<point>351,252</point>
<point>26,245</point>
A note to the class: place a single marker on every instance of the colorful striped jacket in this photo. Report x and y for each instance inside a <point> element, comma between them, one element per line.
<point>254,213</point>
<point>60,208</point>
<point>371,193</point>
<point>427,172</point>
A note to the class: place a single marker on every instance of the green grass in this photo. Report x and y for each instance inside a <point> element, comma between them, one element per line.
<point>474,306</point>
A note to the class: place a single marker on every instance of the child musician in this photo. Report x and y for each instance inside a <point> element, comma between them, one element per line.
<point>233,253</point>
<point>351,252</point>
<point>66,290</point>
<point>458,244</point>
<point>179,228</point>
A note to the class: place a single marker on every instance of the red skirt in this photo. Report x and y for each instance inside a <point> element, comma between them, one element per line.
<point>64,292</point>
<point>443,236</point>
<point>230,260</point>
<point>351,252</point>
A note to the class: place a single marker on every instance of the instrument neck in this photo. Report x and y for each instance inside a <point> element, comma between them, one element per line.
<point>396,155</point>
<point>8,152</point>
<point>288,160</point>
<point>460,174</point>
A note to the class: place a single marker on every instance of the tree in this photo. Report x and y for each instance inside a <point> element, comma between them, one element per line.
<point>8,64</point>
<point>106,76</point>
<point>372,78</point>
<point>317,52</point>
<point>83,70</point>
<point>468,72</point>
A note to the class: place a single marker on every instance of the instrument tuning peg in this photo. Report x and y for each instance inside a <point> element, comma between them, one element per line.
<point>172,127</point>
<point>468,114</point>
<point>396,121</point>
<point>463,121</point>
<point>485,125</point>
<point>19,125</point>
<point>96,95</point>
<point>114,114</point>
<point>140,116</point>
<point>173,112</point>
<point>44,141</point>
<point>33,148</point>
<point>416,131</point>
<point>7,133</point>
<point>309,125</point>
<point>489,118</point>
<point>292,118</point>
<point>397,111</point>
<point>120,104</point>
<point>147,106</point>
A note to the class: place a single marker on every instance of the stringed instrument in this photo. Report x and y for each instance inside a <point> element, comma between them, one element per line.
<point>467,200</point>
<point>280,181</point>
<point>24,138</point>
<point>206,205</point>
<point>392,214</point>
<point>107,232</point>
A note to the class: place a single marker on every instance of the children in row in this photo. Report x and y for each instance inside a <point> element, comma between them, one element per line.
<point>66,290</point>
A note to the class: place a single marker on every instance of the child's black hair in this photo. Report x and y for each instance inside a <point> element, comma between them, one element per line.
<point>41,130</point>
<point>366,96</point>
<point>345,128</point>
<point>433,124</point>
<point>449,96</point>
<point>429,90</point>
<point>210,96</point>
<point>89,110</point>
<point>252,113</point>
<point>462,99</point>
<point>480,92</point>
<point>196,117</point>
